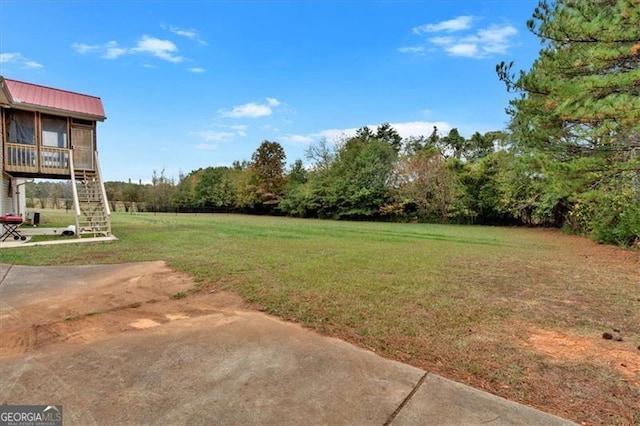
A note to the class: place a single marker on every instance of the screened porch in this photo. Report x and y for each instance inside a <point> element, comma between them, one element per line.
<point>44,145</point>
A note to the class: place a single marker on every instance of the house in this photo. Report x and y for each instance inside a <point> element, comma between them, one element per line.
<point>51,133</point>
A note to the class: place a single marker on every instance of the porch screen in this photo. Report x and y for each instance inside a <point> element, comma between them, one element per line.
<point>54,131</point>
<point>21,125</point>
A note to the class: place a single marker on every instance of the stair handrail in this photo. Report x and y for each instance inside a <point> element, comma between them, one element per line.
<point>107,210</point>
<point>76,202</point>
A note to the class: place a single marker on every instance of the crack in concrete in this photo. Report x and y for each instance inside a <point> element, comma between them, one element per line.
<point>5,275</point>
<point>406,400</point>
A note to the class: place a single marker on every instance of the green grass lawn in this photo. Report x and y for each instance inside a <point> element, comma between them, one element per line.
<point>461,301</point>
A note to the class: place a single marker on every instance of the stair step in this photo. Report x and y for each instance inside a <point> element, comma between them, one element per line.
<point>93,218</point>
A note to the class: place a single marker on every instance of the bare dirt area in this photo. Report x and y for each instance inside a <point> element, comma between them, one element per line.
<point>580,339</point>
<point>562,347</point>
<point>131,297</point>
<point>583,334</point>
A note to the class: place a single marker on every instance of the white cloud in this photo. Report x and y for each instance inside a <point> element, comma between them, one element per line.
<point>8,57</point>
<point>83,48</point>
<point>335,135</point>
<point>496,39</point>
<point>466,42</point>
<point>188,33</point>
<point>331,135</point>
<point>206,147</point>
<point>270,127</point>
<point>163,49</point>
<point>240,129</point>
<point>420,128</point>
<point>405,129</point>
<point>252,109</point>
<point>33,64</point>
<point>113,51</point>
<point>147,45</point>
<point>228,133</point>
<point>442,41</point>
<point>298,139</point>
<point>18,59</point>
<point>463,49</point>
<point>108,50</point>
<point>411,49</point>
<point>456,24</point>
<point>211,135</point>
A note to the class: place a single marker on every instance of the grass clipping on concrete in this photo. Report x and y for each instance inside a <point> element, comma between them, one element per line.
<point>517,312</point>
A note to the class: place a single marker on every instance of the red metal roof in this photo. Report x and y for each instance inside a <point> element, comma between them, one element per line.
<point>33,95</point>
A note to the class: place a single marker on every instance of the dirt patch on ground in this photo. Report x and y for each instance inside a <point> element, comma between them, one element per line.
<point>136,297</point>
<point>563,347</point>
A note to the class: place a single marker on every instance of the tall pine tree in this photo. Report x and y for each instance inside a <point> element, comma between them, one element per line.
<point>579,113</point>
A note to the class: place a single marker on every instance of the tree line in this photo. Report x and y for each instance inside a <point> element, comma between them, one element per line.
<point>570,157</point>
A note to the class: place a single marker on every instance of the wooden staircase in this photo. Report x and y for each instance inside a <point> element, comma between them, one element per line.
<point>93,216</point>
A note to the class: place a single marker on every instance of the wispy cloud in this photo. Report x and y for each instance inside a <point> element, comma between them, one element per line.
<point>18,59</point>
<point>83,48</point>
<point>206,147</point>
<point>211,135</point>
<point>405,129</point>
<point>113,51</point>
<point>443,41</point>
<point>457,37</point>
<point>463,49</point>
<point>222,133</point>
<point>299,139</point>
<point>420,128</point>
<point>273,102</point>
<point>456,24</point>
<point>495,39</point>
<point>188,33</point>
<point>252,109</point>
<point>163,49</point>
<point>412,49</point>
<point>147,46</point>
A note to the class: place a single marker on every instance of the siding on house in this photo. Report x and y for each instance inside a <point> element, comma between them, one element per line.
<point>5,201</point>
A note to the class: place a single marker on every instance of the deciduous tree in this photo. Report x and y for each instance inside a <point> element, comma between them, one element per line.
<point>268,168</point>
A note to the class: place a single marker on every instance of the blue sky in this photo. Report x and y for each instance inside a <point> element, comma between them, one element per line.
<point>191,84</point>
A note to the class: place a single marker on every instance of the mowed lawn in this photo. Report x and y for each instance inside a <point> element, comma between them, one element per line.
<point>518,312</point>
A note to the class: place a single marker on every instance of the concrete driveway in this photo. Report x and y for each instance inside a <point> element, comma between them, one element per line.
<point>117,344</point>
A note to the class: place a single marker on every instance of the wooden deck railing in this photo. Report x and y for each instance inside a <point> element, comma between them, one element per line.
<point>20,158</point>
<point>54,160</point>
<point>26,159</point>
